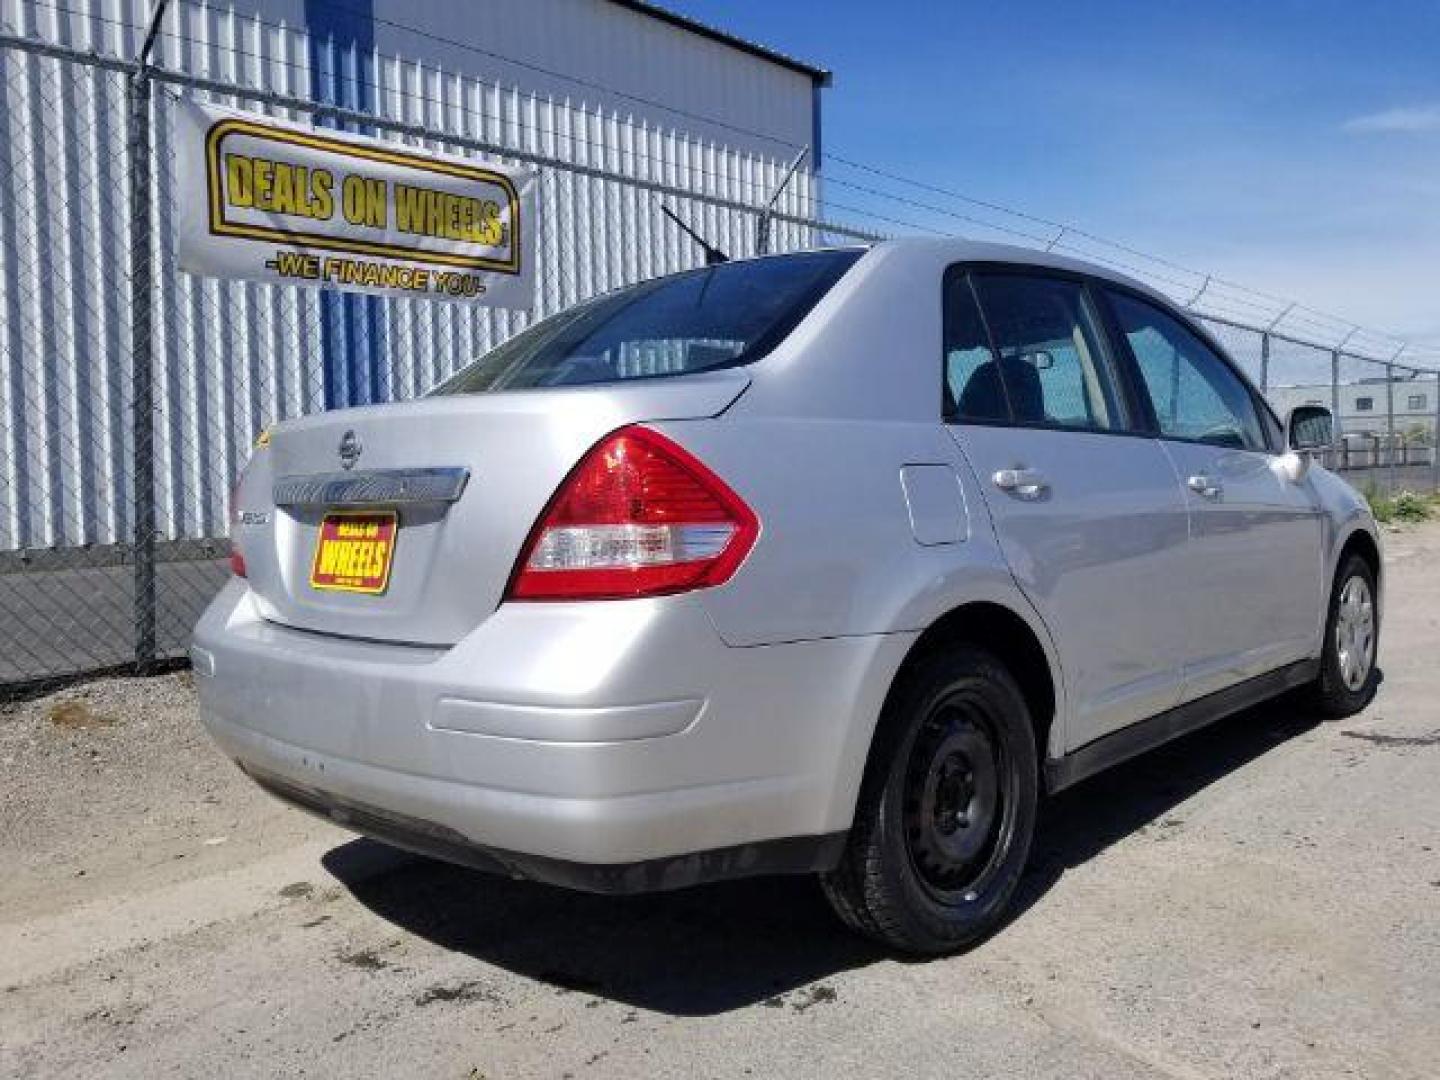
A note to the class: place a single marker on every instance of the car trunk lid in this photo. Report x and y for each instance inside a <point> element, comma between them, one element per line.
<point>424,506</point>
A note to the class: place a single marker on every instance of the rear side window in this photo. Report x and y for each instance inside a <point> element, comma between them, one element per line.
<point>973,390</point>
<point>721,316</point>
<point>1027,349</point>
<point>1195,394</point>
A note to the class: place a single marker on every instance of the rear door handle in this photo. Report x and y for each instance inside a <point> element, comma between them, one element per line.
<point>1021,482</point>
<point>1203,486</point>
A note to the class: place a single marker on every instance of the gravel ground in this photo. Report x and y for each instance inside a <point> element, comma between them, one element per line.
<point>114,788</point>
<point>1259,900</point>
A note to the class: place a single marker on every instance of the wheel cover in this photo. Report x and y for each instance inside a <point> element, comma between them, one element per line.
<point>957,795</point>
<point>1355,632</point>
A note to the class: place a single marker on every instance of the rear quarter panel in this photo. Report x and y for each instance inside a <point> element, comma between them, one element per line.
<point>837,554</point>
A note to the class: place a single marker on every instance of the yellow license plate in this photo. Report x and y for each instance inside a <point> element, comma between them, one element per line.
<point>354,551</point>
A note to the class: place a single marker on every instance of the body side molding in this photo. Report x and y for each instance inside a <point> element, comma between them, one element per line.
<point>1129,742</point>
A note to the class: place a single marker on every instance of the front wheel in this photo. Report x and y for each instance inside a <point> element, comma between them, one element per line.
<point>947,809</point>
<point>1348,677</point>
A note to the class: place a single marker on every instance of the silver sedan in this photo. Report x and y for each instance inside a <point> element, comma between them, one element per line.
<point>829,562</point>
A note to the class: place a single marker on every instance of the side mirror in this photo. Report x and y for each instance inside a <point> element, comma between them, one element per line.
<point>1309,428</point>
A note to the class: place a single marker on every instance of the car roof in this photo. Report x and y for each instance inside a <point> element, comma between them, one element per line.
<point>955,249</point>
<point>946,250</point>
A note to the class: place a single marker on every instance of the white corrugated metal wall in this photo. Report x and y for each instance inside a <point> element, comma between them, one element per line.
<point>618,59</point>
<point>234,357</point>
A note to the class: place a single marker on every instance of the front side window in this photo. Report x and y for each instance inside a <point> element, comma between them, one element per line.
<point>721,316</point>
<point>1195,393</point>
<point>1027,349</point>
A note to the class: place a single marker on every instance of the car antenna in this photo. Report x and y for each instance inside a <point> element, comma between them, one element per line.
<point>713,255</point>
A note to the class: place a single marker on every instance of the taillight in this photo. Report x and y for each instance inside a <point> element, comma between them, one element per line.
<point>237,560</point>
<point>639,516</point>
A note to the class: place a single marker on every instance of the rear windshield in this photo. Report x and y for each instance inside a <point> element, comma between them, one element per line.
<point>724,315</point>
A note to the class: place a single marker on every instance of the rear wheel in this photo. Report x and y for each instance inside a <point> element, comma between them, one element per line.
<point>1348,677</point>
<point>947,809</point>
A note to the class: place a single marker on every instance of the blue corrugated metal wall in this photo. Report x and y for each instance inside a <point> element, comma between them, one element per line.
<point>342,72</point>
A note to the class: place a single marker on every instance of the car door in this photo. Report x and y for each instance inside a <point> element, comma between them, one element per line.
<point>1254,565</point>
<point>1085,503</point>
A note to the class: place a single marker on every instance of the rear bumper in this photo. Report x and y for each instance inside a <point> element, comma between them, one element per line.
<point>613,746</point>
<point>791,855</point>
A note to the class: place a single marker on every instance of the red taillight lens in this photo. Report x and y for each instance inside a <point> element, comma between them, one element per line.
<point>237,560</point>
<point>639,516</point>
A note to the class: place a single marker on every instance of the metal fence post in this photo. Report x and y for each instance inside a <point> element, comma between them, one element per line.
<point>1337,436</point>
<point>1265,363</point>
<point>1435,441</point>
<point>1390,420</point>
<point>142,385</point>
<point>142,410</point>
<point>763,226</point>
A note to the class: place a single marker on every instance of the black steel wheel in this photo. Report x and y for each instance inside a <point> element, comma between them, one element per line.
<point>947,809</point>
<point>954,797</point>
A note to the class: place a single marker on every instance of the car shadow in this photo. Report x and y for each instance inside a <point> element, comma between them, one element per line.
<point>692,952</point>
<point>1081,822</point>
<point>715,948</point>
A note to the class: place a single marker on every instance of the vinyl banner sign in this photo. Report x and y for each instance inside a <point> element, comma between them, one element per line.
<point>268,201</point>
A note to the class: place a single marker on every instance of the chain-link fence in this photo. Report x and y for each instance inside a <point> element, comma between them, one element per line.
<point>130,393</point>
<point>1386,412</point>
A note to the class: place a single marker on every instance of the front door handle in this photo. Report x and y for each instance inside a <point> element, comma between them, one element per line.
<point>1021,482</point>
<point>1203,486</point>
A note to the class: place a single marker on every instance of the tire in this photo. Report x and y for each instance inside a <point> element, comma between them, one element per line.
<point>1348,674</point>
<point>946,811</point>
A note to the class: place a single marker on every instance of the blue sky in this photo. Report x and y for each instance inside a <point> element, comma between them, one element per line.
<point>1292,146</point>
